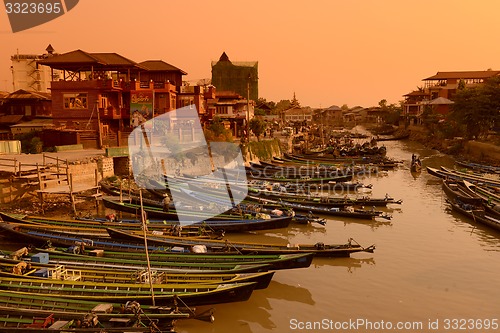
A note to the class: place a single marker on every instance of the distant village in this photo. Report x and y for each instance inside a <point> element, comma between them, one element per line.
<point>96,99</point>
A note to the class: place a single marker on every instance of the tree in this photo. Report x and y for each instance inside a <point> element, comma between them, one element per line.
<point>257,126</point>
<point>217,131</point>
<point>477,108</point>
<point>282,105</point>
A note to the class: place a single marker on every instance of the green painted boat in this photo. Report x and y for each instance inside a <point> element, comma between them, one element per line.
<point>20,311</point>
<point>33,270</point>
<point>164,294</point>
<point>212,245</point>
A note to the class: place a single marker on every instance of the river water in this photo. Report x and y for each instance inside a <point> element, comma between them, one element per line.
<point>432,270</point>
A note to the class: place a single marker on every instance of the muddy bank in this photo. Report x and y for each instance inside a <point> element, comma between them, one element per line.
<point>460,148</point>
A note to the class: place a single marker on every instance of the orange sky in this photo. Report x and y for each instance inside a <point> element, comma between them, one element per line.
<point>327,52</point>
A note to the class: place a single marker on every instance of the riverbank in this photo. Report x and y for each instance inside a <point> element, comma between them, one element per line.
<point>460,148</point>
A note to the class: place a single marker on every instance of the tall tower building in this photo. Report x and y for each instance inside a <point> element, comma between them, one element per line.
<point>28,75</point>
<point>240,77</point>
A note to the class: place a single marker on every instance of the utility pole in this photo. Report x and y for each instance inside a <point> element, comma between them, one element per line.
<point>99,133</point>
<point>248,108</point>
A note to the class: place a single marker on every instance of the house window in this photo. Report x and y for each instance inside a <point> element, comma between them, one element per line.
<point>104,101</point>
<point>222,110</point>
<point>75,101</point>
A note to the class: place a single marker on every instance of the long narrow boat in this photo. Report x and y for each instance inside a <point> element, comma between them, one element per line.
<point>196,261</point>
<point>236,225</point>
<point>475,213</point>
<point>133,265</point>
<point>454,191</point>
<point>13,269</point>
<point>325,200</point>
<point>315,208</point>
<point>96,231</point>
<point>69,307</point>
<point>236,222</point>
<point>302,180</point>
<point>28,312</point>
<point>486,194</point>
<point>319,249</point>
<point>479,167</point>
<point>164,294</point>
<point>26,321</point>
<point>457,175</point>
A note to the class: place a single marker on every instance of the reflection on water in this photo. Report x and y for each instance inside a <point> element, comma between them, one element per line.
<point>487,237</point>
<point>350,263</point>
<point>289,293</point>
<point>431,263</point>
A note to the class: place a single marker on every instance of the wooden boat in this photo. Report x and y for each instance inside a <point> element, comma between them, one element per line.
<point>13,268</point>
<point>164,294</point>
<point>21,312</point>
<point>454,190</point>
<point>212,262</point>
<point>98,230</point>
<point>344,211</point>
<point>476,213</point>
<point>416,164</point>
<point>205,217</point>
<point>454,174</point>
<point>217,226</point>
<point>301,180</point>
<point>318,249</point>
<point>346,186</point>
<point>22,320</point>
<point>324,200</point>
<point>175,267</point>
<point>315,208</point>
<point>486,194</point>
<point>479,167</point>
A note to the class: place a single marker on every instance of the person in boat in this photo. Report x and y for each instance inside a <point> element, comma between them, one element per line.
<point>16,255</point>
<point>21,268</point>
<point>166,203</point>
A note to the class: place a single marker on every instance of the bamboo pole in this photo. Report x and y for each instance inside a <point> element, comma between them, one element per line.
<point>144,229</point>
<point>72,198</point>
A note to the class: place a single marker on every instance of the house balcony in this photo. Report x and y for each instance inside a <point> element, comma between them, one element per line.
<point>112,85</point>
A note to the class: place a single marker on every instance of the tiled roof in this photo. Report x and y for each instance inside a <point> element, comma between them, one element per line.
<point>160,65</point>
<point>333,108</point>
<point>417,93</point>
<point>463,75</point>
<point>81,58</point>
<point>240,63</point>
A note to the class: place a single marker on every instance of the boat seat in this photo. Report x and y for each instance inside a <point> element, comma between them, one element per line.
<point>103,308</point>
<point>60,324</point>
<point>41,322</point>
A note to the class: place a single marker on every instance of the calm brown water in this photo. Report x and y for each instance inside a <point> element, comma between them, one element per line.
<point>429,265</point>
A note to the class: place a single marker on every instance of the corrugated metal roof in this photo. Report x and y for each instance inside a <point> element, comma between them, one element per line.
<point>463,75</point>
<point>25,94</point>
<point>10,119</point>
<point>36,123</point>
